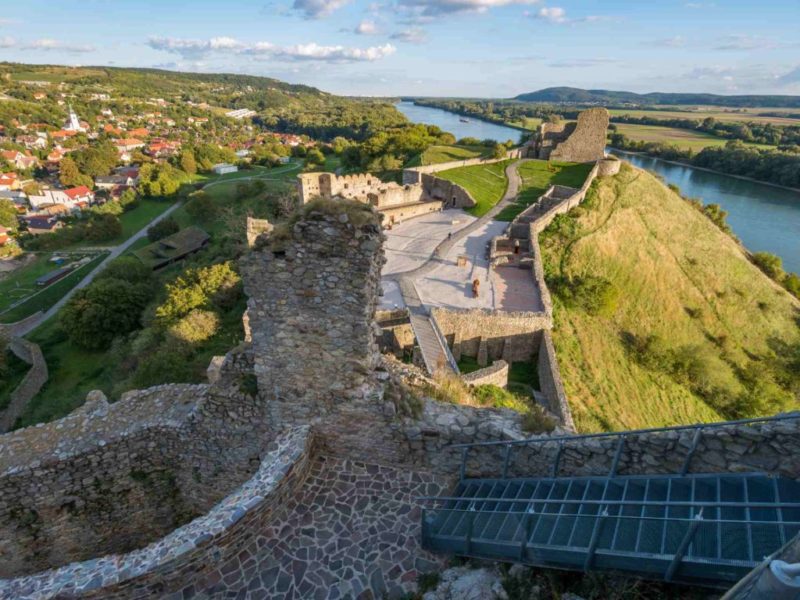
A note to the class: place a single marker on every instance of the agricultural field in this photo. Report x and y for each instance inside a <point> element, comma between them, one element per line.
<point>529,123</point>
<point>537,176</point>
<point>486,183</point>
<point>441,154</point>
<point>683,138</point>
<point>740,115</point>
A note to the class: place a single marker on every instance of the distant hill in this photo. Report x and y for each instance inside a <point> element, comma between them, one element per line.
<point>569,95</point>
<point>691,331</point>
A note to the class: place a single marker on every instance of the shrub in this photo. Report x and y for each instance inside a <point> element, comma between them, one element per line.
<point>770,264</point>
<point>198,326</point>
<point>201,207</point>
<point>103,227</point>
<point>206,287</point>
<point>595,295</point>
<point>127,268</point>
<point>162,229</point>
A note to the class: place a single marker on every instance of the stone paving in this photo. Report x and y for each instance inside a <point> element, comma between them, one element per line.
<point>352,532</point>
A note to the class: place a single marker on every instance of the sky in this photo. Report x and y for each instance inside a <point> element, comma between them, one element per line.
<point>471,48</point>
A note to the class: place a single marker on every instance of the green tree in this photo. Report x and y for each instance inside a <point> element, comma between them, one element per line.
<point>107,308</point>
<point>69,175</point>
<point>201,207</point>
<point>770,264</point>
<point>498,151</point>
<point>8,214</point>
<point>214,286</point>
<point>162,229</point>
<point>127,268</point>
<point>188,162</point>
<point>314,156</point>
<point>103,227</point>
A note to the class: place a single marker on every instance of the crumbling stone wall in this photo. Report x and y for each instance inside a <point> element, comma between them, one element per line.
<point>491,335</point>
<point>583,141</point>
<point>552,387</point>
<point>414,174</point>
<point>451,194</point>
<point>30,385</point>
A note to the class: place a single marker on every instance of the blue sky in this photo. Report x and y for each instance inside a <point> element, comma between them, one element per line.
<point>488,48</point>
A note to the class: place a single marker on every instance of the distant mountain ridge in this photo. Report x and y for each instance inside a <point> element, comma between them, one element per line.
<point>570,95</point>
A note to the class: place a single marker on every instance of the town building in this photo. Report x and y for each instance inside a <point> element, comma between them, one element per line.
<point>224,168</point>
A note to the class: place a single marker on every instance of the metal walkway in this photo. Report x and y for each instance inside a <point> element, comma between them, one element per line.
<point>703,529</point>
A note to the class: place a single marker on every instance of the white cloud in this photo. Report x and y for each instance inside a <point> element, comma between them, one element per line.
<point>430,8</point>
<point>579,63</point>
<point>7,42</point>
<point>750,42</point>
<point>366,27</point>
<point>554,14</point>
<point>316,9</point>
<point>265,50</point>
<point>50,44</point>
<point>791,77</point>
<point>412,35</point>
<point>677,41</point>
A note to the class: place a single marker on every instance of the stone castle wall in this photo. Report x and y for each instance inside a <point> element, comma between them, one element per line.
<point>414,174</point>
<point>583,141</point>
<point>451,194</point>
<point>496,374</point>
<point>761,447</point>
<point>552,387</point>
<point>30,385</point>
<point>196,556</point>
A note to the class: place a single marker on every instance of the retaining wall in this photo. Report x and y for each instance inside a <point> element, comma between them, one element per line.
<point>550,382</point>
<point>30,385</point>
<point>497,375</point>
<point>413,174</point>
<point>195,556</point>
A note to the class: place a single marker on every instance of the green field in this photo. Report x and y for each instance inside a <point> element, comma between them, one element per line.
<point>436,155</point>
<point>51,294</point>
<point>674,275</point>
<point>700,113</point>
<point>486,184</point>
<point>530,123</point>
<point>683,138</point>
<point>22,281</point>
<point>537,176</point>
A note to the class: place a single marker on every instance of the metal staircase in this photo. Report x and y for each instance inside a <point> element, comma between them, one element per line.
<point>703,529</point>
<point>435,352</point>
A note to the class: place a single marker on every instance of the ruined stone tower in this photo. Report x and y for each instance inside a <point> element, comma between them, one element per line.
<point>312,295</point>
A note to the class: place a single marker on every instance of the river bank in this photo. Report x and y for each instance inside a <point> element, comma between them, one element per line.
<point>707,170</point>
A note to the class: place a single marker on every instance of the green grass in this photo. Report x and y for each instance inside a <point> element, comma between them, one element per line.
<point>468,364</point>
<point>486,183</point>
<point>685,139</point>
<point>441,154</point>
<point>530,123</point>
<point>22,281</point>
<point>537,176</point>
<point>134,220</point>
<point>678,277</point>
<point>51,294</point>
<point>14,374</point>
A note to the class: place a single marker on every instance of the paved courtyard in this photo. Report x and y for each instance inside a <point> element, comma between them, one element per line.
<point>351,532</point>
<point>411,243</point>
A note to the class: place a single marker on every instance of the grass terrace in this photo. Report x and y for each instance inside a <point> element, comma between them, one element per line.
<point>537,176</point>
<point>436,155</point>
<point>486,183</point>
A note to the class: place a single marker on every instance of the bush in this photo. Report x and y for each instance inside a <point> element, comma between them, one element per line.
<point>97,314</point>
<point>103,227</point>
<point>127,268</point>
<point>201,207</point>
<point>770,264</point>
<point>595,295</point>
<point>162,229</point>
<point>198,326</point>
<point>207,287</point>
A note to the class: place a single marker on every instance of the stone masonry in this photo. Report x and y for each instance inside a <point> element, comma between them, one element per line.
<point>582,141</point>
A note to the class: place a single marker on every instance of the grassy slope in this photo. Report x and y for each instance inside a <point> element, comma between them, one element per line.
<point>436,155</point>
<point>665,257</point>
<point>537,176</point>
<point>683,138</point>
<point>486,183</point>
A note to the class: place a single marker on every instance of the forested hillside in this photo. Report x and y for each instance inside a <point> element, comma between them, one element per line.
<point>660,318</point>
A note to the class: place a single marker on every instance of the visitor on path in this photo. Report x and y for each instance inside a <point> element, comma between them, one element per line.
<point>476,284</point>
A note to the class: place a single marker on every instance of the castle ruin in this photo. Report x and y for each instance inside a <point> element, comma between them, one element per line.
<point>583,140</point>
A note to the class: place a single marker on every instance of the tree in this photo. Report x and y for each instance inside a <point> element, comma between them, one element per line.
<point>201,207</point>
<point>103,227</point>
<point>127,268</point>
<point>188,162</point>
<point>314,156</point>
<point>70,176</point>
<point>97,314</point>
<point>8,214</point>
<point>162,229</point>
<point>207,287</point>
<point>498,151</point>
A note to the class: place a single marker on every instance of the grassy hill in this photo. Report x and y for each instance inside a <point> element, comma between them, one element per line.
<point>486,184</point>
<point>660,317</point>
<point>438,154</point>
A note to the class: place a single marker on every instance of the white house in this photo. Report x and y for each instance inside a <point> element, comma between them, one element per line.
<point>223,168</point>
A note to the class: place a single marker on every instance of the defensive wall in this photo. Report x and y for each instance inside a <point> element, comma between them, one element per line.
<point>413,175</point>
<point>30,385</point>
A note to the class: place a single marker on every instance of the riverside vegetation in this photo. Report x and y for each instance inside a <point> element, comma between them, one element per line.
<point>660,318</point>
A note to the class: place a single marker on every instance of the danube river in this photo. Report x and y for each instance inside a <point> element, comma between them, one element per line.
<point>451,122</point>
<point>764,217</point>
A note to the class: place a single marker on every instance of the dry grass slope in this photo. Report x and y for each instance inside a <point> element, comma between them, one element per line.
<point>678,277</point>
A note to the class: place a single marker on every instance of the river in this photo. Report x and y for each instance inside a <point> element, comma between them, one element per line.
<point>451,122</point>
<point>764,217</point>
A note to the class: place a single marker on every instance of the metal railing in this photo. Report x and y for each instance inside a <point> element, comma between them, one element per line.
<point>698,428</point>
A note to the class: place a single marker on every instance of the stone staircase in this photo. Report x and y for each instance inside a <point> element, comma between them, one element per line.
<point>435,352</point>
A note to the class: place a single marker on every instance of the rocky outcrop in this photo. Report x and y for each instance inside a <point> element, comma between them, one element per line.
<point>465,583</point>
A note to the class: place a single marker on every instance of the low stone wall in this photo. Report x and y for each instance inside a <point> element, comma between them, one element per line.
<point>550,382</point>
<point>490,335</point>
<point>761,447</point>
<point>30,385</point>
<point>451,194</point>
<point>400,213</point>
<point>413,174</point>
<point>497,375</point>
<point>194,556</point>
